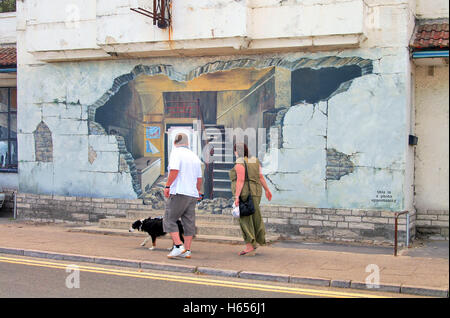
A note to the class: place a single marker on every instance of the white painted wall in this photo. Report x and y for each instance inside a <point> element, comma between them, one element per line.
<point>60,25</point>
<point>432,128</point>
<point>7,28</point>
<point>300,19</point>
<point>90,29</point>
<point>86,30</point>
<point>9,180</point>
<point>388,23</point>
<point>83,29</point>
<point>434,9</point>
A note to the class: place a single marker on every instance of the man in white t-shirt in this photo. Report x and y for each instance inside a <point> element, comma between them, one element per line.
<point>182,190</point>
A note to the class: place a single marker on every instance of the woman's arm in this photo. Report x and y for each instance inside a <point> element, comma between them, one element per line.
<point>240,173</point>
<point>264,185</point>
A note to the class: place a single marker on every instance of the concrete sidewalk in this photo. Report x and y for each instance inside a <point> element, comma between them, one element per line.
<point>427,276</point>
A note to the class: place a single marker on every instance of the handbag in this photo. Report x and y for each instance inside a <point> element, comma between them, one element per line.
<point>246,208</point>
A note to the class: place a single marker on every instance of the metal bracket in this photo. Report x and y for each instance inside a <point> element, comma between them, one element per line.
<point>160,8</point>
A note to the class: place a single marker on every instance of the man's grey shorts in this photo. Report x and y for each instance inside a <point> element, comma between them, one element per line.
<point>180,206</point>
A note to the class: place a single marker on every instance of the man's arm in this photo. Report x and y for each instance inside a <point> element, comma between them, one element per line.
<point>173,174</point>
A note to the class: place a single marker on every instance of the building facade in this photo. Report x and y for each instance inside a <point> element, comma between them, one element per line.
<point>328,94</point>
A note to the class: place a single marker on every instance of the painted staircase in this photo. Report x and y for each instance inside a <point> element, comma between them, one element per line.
<point>223,160</point>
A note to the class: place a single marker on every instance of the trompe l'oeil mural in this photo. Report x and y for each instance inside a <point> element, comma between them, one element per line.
<point>325,129</point>
<point>146,106</point>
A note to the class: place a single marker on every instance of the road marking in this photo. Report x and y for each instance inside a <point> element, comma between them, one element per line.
<point>192,280</point>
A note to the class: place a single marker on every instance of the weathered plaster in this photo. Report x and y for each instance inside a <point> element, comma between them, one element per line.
<point>354,122</point>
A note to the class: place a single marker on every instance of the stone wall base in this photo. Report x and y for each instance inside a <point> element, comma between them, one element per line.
<point>432,224</point>
<point>78,210</point>
<point>366,226</point>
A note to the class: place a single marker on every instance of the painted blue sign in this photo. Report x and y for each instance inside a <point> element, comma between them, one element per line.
<point>153,132</point>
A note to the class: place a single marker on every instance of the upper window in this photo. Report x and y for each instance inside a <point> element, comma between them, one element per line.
<point>7,6</point>
<point>8,129</point>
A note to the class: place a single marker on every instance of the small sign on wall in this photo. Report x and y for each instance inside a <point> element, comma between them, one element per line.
<point>384,196</point>
<point>152,132</point>
<point>152,139</point>
<point>150,148</point>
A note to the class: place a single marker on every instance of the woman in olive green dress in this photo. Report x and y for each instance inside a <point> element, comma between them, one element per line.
<point>252,226</point>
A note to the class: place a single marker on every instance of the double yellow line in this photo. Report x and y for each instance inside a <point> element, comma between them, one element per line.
<point>190,280</point>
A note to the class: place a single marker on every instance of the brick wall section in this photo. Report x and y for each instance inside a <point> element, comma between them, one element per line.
<point>78,210</point>
<point>368,226</point>
<point>432,224</point>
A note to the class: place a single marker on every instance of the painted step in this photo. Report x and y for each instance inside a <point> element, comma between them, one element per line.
<point>121,232</point>
<point>156,213</point>
<point>202,227</point>
<point>218,229</point>
<point>222,182</point>
<point>199,237</point>
<point>116,223</point>
<point>221,174</point>
<point>209,218</point>
<point>222,189</point>
<point>220,157</point>
<point>223,166</point>
<point>222,194</point>
<point>221,148</point>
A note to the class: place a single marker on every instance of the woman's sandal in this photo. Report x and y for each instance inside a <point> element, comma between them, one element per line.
<point>249,253</point>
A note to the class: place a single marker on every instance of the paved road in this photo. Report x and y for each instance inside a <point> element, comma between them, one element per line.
<point>29,277</point>
<point>19,281</point>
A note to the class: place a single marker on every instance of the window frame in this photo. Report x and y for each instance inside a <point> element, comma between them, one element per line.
<point>9,139</point>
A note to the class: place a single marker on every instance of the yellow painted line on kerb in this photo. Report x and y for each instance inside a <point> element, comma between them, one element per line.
<point>191,280</point>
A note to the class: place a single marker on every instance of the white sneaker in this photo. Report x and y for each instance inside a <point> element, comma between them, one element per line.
<point>186,254</point>
<point>176,251</point>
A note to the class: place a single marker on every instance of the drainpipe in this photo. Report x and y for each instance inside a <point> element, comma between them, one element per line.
<point>407,230</point>
<point>15,204</point>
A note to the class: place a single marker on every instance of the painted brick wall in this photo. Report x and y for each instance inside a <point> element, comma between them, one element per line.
<point>43,143</point>
<point>338,164</point>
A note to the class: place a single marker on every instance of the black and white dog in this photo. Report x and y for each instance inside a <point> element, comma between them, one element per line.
<point>154,228</point>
